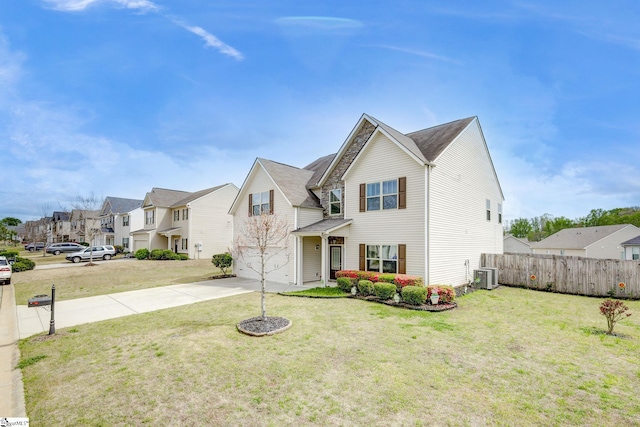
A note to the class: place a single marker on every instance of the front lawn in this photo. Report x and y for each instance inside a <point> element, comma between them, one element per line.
<point>505,357</point>
<point>106,277</point>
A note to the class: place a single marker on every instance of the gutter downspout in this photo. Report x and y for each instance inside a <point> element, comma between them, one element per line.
<point>427,221</point>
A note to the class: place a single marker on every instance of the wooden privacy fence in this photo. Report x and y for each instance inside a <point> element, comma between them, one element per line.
<point>567,274</point>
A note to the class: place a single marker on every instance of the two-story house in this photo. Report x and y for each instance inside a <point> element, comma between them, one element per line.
<point>60,227</point>
<point>85,226</point>
<point>118,216</point>
<point>426,203</point>
<point>197,224</point>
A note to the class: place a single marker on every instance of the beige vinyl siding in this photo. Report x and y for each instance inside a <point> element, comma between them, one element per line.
<point>460,183</point>
<point>609,247</point>
<point>311,259</point>
<point>260,181</point>
<point>307,216</point>
<point>209,223</point>
<point>382,160</point>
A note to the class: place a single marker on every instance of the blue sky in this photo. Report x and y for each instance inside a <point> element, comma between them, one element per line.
<point>114,97</point>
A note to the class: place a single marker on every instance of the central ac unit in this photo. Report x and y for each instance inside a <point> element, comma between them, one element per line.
<point>486,278</point>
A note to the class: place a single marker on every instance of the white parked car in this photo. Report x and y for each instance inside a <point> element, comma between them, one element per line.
<point>104,252</point>
<point>5,271</point>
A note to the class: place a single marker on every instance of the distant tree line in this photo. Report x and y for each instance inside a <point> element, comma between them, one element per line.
<point>538,228</point>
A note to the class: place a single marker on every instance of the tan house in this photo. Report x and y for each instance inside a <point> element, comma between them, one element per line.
<point>603,242</point>
<point>426,203</point>
<point>515,245</point>
<point>85,226</point>
<point>197,224</point>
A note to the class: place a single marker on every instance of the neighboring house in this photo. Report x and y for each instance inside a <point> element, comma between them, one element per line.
<point>60,227</point>
<point>427,203</point>
<point>38,230</point>
<point>85,226</point>
<point>603,242</point>
<point>118,216</point>
<point>197,224</point>
<point>515,245</point>
<point>632,248</point>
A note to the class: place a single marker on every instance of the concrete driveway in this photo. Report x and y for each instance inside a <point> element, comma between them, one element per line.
<point>34,320</point>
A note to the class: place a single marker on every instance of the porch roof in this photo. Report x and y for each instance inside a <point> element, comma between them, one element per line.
<point>323,227</point>
<point>141,231</point>
<point>173,231</point>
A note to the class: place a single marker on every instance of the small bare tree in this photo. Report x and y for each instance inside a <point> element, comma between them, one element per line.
<point>260,240</point>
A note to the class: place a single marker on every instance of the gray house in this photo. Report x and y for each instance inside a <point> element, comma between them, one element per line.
<point>515,245</point>
<point>603,242</point>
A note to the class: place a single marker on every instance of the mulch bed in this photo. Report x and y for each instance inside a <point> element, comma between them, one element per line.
<point>258,327</point>
<point>223,276</point>
<point>423,307</point>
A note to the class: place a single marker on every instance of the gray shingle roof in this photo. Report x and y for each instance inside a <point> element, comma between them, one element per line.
<point>577,238</point>
<point>121,205</point>
<point>632,242</point>
<point>292,182</point>
<point>164,198</point>
<point>196,195</point>
<point>323,225</point>
<point>432,141</point>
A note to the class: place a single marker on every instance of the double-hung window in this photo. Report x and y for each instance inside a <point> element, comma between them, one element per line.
<point>335,202</point>
<point>176,215</point>
<point>125,242</point>
<point>635,253</point>
<point>488,210</point>
<point>383,195</point>
<point>150,217</point>
<point>260,203</point>
<point>185,244</point>
<point>125,220</point>
<point>382,258</point>
<point>499,213</point>
<point>185,214</point>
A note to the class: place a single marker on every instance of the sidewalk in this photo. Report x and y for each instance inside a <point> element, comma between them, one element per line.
<point>18,322</point>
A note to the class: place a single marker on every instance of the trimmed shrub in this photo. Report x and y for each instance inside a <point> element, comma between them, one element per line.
<point>387,278</point>
<point>9,254</point>
<point>351,274</point>
<point>365,287</point>
<point>415,295</point>
<point>23,264</point>
<point>222,261</point>
<point>446,292</point>
<point>384,290</point>
<point>344,283</point>
<point>142,253</point>
<point>403,280</point>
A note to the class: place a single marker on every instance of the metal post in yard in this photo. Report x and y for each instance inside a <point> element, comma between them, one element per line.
<point>52,323</point>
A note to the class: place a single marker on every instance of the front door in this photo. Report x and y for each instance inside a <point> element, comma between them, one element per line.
<point>335,261</point>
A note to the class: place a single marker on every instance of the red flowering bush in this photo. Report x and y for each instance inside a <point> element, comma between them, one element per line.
<point>613,311</point>
<point>400,280</point>
<point>446,292</point>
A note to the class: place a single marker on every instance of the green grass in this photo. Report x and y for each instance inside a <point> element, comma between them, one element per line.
<point>505,357</point>
<point>324,292</point>
<point>81,280</point>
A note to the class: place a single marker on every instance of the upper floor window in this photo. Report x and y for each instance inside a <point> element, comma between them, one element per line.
<point>176,215</point>
<point>185,213</point>
<point>150,217</point>
<point>261,203</point>
<point>335,202</point>
<point>125,221</point>
<point>488,210</point>
<point>500,213</point>
<point>383,195</point>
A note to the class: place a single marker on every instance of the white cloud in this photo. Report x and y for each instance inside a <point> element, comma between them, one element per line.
<point>77,5</point>
<point>210,40</point>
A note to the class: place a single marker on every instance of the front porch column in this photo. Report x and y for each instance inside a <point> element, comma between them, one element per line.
<point>298,264</point>
<point>323,260</point>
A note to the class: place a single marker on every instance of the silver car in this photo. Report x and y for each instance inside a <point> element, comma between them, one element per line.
<point>5,271</point>
<point>105,252</point>
<point>58,248</point>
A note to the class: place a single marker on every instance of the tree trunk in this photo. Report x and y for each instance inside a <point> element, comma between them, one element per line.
<point>263,290</point>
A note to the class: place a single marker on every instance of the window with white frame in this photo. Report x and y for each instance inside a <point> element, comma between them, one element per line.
<point>382,258</point>
<point>335,202</point>
<point>185,214</point>
<point>260,203</point>
<point>488,210</point>
<point>499,213</point>
<point>125,242</point>
<point>185,244</point>
<point>125,221</point>
<point>176,215</point>
<point>635,253</point>
<point>382,195</point>
<point>150,217</point>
